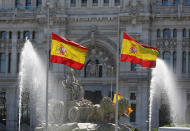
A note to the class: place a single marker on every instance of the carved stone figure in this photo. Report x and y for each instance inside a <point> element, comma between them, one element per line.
<point>78,109</point>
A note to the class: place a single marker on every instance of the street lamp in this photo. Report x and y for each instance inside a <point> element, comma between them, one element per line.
<point>47,68</point>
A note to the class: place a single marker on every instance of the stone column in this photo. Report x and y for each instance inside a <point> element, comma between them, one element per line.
<point>33,3</point>
<point>11,109</point>
<point>79,4</point>
<point>111,4</point>
<point>99,3</point>
<point>125,2</point>
<point>102,3</point>
<point>134,2</point>
<point>44,2</point>
<point>22,3</point>
<point>90,3</point>
<point>14,54</point>
<point>179,53</point>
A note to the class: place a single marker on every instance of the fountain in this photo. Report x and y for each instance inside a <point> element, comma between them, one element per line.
<point>77,113</point>
<point>32,76</point>
<point>71,112</point>
<point>163,82</point>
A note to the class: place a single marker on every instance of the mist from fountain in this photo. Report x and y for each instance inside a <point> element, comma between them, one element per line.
<point>163,81</point>
<point>32,80</point>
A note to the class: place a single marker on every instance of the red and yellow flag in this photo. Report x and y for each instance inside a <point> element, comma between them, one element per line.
<point>64,51</point>
<point>119,97</point>
<point>133,51</point>
<point>129,110</point>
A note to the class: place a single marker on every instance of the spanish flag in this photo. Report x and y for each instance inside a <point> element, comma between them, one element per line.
<point>119,97</point>
<point>133,51</point>
<point>64,51</point>
<point>129,110</point>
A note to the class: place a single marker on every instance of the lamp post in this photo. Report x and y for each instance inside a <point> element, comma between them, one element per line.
<point>117,71</point>
<point>47,77</point>
<point>111,82</point>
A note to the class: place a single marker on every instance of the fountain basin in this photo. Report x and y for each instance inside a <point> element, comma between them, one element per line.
<point>173,129</point>
<point>82,127</point>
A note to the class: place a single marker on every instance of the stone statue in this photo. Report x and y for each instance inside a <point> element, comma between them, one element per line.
<point>76,109</point>
<point>72,86</point>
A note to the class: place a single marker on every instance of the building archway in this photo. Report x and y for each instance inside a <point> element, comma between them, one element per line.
<point>99,61</point>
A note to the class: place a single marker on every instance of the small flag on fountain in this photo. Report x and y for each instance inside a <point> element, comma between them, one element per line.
<point>67,52</point>
<point>129,110</point>
<point>133,51</point>
<point>119,97</point>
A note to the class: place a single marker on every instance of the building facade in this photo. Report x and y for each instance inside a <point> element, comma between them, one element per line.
<point>94,24</point>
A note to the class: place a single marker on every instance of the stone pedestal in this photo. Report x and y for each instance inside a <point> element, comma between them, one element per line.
<point>174,129</point>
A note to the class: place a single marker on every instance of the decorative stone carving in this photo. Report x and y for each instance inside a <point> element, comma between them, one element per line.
<point>93,28</point>
<point>166,43</point>
<point>82,110</point>
<point>72,86</point>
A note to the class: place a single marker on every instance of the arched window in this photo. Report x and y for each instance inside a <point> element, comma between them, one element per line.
<point>184,32</point>
<point>158,33</point>
<point>164,2</point>
<point>167,57</point>
<point>133,67</point>
<point>187,2</point>
<point>93,68</point>
<point>73,1</point>
<point>38,3</point>
<point>26,35</point>
<point>106,1</point>
<point>3,35</point>
<point>17,3</point>
<point>174,33</point>
<point>28,4</point>
<point>3,108</point>
<point>84,1</point>
<point>184,62</point>
<point>166,33</point>
<point>174,61</point>
<point>117,2</point>
<point>2,62</point>
<point>175,2</point>
<point>95,1</point>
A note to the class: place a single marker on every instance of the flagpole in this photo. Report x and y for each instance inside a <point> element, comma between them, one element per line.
<point>111,81</point>
<point>47,69</point>
<point>117,71</point>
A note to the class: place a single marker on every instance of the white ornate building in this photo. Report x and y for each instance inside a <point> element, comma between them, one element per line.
<point>94,24</point>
